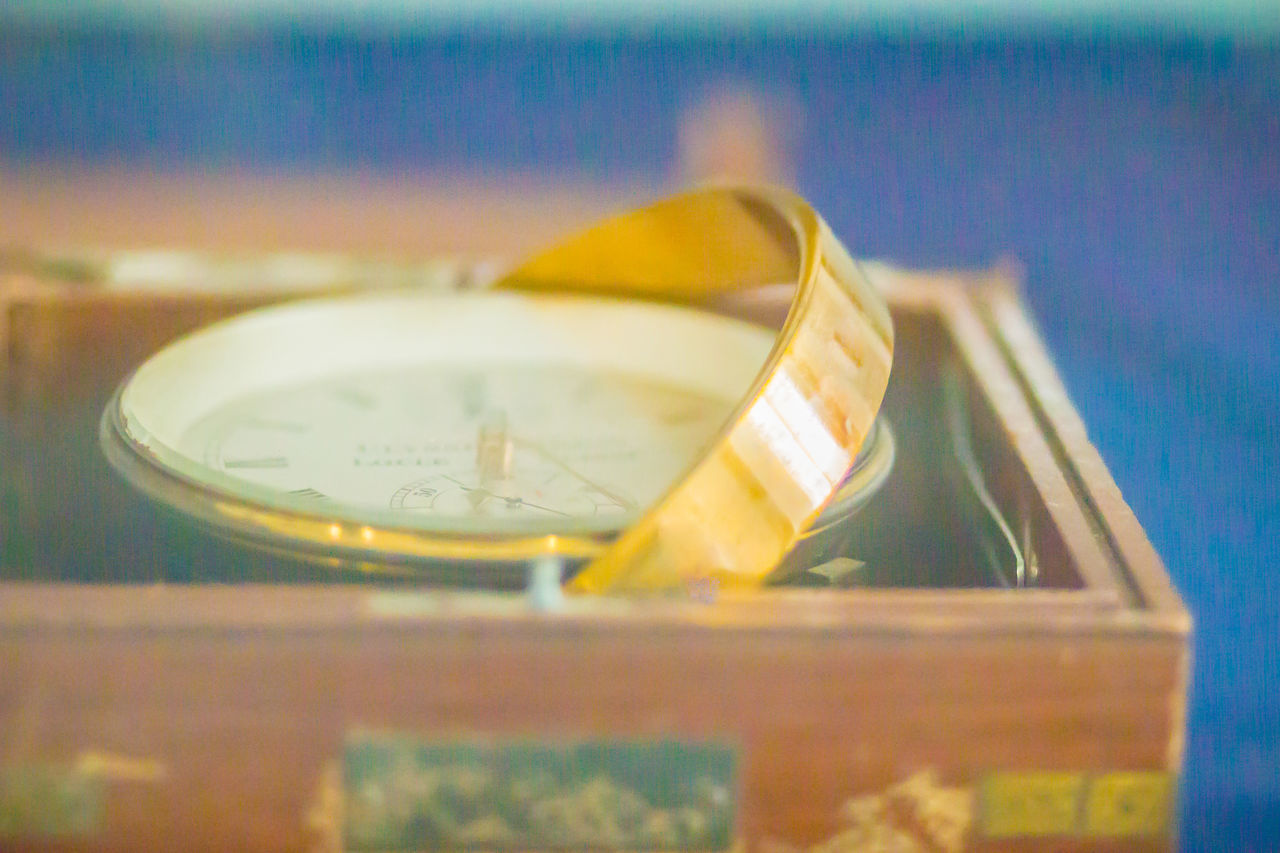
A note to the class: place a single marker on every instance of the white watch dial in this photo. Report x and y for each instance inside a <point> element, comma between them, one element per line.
<point>551,441</point>
<point>478,414</point>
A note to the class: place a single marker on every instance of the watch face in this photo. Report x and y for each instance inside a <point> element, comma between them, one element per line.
<point>481,448</point>
<point>471,418</point>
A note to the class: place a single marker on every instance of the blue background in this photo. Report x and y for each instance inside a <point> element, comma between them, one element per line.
<point>1136,177</point>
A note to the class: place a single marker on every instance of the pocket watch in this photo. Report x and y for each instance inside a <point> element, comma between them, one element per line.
<point>596,406</point>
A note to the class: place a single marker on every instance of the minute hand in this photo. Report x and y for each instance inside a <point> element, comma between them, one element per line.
<point>485,494</point>
<point>621,501</point>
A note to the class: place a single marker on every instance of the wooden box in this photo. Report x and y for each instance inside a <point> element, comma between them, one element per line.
<point>162,691</point>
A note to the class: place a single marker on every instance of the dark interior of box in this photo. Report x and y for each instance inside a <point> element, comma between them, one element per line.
<point>68,517</point>
<point>928,526</point>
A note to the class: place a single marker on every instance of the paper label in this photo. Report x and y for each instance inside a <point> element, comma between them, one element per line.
<point>48,801</point>
<point>403,793</point>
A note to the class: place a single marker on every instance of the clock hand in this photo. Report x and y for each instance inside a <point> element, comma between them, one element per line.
<point>621,501</point>
<point>516,500</point>
<point>519,501</point>
<point>475,497</point>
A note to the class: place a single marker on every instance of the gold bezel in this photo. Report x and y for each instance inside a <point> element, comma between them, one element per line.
<point>769,475</point>
<point>393,551</point>
<point>786,450</point>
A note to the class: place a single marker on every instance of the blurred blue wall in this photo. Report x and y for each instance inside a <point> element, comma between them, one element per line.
<point>1133,171</point>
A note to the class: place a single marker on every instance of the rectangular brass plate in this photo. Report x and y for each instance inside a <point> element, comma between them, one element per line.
<point>1056,803</point>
